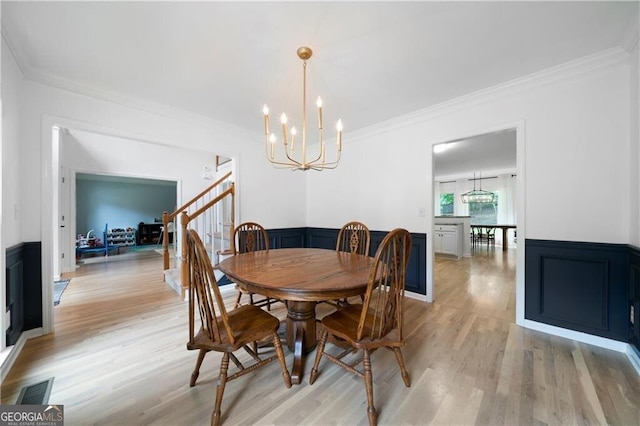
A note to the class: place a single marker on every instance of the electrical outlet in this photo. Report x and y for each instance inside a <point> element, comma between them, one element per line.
<point>422,212</point>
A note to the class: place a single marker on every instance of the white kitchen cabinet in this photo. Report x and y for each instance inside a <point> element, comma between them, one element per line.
<point>447,239</point>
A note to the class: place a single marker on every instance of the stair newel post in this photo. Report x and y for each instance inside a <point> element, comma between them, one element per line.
<point>165,240</point>
<point>184,265</point>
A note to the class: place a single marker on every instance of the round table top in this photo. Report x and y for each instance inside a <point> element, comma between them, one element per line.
<point>306,274</point>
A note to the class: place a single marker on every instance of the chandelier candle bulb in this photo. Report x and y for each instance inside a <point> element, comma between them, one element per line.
<point>272,140</point>
<point>319,104</point>
<point>265,110</point>
<point>339,129</point>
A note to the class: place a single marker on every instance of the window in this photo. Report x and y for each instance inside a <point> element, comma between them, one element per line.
<point>484,213</point>
<point>446,204</point>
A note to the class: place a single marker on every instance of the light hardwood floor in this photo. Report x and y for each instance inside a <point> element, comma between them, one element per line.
<point>119,357</point>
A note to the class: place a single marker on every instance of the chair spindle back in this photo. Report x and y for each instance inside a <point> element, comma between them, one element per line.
<point>382,307</point>
<point>354,237</point>
<point>249,237</point>
<point>203,288</point>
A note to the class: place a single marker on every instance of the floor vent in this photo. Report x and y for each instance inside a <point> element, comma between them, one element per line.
<point>37,394</point>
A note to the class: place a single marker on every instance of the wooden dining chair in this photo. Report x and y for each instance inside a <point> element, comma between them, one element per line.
<point>224,331</point>
<point>249,237</point>
<point>477,237</point>
<point>375,323</point>
<point>491,236</point>
<point>353,237</point>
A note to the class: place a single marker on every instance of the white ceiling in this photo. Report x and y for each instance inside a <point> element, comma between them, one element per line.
<point>491,152</point>
<point>372,61</point>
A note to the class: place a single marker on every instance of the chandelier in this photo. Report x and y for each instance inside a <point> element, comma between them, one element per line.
<point>478,196</point>
<point>294,156</point>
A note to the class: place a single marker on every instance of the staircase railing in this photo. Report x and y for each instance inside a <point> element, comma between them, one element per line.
<point>210,223</point>
<point>186,218</point>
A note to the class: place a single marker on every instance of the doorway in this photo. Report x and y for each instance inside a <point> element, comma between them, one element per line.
<point>480,278</point>
<point>117,210</point>
<point>103,152</point>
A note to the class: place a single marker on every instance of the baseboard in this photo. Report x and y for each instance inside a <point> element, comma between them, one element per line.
<point>11,353</point>
<point>417,296</point>
<point>634,358</point>
<point>590,339</point>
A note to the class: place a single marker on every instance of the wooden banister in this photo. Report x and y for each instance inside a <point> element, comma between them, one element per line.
<point>211,203</point>
<point>170,217</point>
<point>185,206</point>
<point>201,194</point>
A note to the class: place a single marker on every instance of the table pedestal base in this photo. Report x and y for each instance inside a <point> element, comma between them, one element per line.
<point>301,334</point>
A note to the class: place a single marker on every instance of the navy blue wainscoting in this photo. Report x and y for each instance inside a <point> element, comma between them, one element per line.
<point>634,297</point>
<point>580,286</point>
<point>286,238</point>
<point>23,269</point>
<point>417,268</point>
<point>15,298</point>
<point>327,237</point>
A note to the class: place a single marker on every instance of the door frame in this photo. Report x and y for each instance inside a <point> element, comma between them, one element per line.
<point>519,127</point>
<point>50,203</point>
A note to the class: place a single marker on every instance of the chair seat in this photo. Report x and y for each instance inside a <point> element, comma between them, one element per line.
<point>343,323</point>
<point>254,324</point>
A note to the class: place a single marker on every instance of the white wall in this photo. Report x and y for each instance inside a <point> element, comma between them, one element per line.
<point>380,181</point>
<point>12,155</point>
<point>634,157</point>
<point>576,132</point>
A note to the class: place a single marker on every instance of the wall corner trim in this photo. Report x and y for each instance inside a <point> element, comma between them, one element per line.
<point>10,354</point>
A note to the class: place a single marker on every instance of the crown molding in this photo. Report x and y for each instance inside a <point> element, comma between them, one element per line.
<point>47,79</point>
<point>163,110</point>
<point>20,59</point>
<point>567,70</point>
<point>545,77</point>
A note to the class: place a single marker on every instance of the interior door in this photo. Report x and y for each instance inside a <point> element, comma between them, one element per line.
<point>63,258</point>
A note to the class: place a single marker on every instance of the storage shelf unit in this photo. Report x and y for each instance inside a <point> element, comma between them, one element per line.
<point>121,237</point>
<point>149,233</point>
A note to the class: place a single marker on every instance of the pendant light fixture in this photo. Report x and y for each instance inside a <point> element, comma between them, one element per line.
<point>294,157</point>
<point>478,196</point>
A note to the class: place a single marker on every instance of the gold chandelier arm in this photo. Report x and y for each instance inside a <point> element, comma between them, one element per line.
<point>286,152</point>
<point>323,165</point>
<point>270,153</point>
<point>297,163</point>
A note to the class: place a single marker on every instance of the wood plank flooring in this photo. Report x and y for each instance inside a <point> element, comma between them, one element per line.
<point>119,357</point>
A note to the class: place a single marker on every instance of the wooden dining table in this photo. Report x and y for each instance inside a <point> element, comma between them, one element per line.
<point>302,277</point>
<point>504,228</point>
